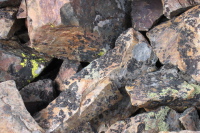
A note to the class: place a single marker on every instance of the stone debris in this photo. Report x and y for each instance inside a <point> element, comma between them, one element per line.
<point>13,114</point>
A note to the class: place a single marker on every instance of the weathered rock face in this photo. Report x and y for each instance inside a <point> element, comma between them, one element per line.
<point>19,63</point>
<point>80,30</point>
<point>38,94</point>
<point>171,8</point>
<point>131,56</point>
<point>13,114</point>
<point>145,13</point>
<point>163,87</point>
<point>7,3</point>
<point>183,131</point>
<point>177,42</point>
<point>162,119</point>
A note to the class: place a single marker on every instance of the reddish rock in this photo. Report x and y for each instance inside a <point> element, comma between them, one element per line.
<point>172,8</point>
<point>7,3</point>
<point>94,89</point>
<point>13,114</point>
<point>177,42</point>
<point>80,30</point>
<point>22,11</point>
<point>145,13</point>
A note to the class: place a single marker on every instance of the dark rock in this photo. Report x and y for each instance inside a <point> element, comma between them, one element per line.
<point>7,3</point>
<point>145,13</point>
<point>177,42</point>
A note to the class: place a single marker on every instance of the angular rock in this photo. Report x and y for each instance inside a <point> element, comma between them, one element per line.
<point>67,69</point>
<point>13,114</point>
<point>145,13</point>
<point>171,8</point>
<point>80,30</point>
<point>177,42</point>
<point>19,63</point>
<point>22,12</point>
<point>163,87</point>
<point>8,22</point>
<point>37,95</point>
<point>7,3</point>
<point>95,88</point>
<point>162,119</point>
<point>190,119</point>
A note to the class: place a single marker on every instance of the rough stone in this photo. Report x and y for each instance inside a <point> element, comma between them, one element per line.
<point>19,63</point>
<point>131,57</point>
<point>164,87</point>
<point>162,119</point>
<point>183,131</point>
<point>67,69</point>
<point>13,114</point>
<point>177,42</point>
<point>145,13</point>
<point>7,3</point>
<point>172,8</point>
<point>38,94</point>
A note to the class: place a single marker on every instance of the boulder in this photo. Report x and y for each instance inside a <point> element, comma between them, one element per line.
<point>13,114</point>
<point>177,42</point>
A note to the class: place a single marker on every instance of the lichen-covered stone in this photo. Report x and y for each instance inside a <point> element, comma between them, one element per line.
<point>131,57</point>
<point>164,87</point>
<point>20,63</point>
<point>13,114</point>
<point>177,42</point>
<point>80,30</point>
<point>171,8</point>
<point>7,3</point>
<point>145,13</point>
<point>37,95</point>
<point>162,119</point>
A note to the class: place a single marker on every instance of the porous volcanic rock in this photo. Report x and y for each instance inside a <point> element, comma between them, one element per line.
<point>80,30</point>
<point>95,88</point>
<point>177,42</point>
<point>171,8</point>
<point>145,13</point>
<point>13,114</point>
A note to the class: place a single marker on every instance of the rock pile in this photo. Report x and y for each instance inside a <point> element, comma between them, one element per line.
<point>93,66</point>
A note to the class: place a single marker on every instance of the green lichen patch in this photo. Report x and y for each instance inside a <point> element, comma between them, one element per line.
<point>191,87</point>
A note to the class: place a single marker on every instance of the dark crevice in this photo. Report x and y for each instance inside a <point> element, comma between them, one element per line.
<point>139,111</point>
<point>144,33</point>
<point>159,64</point>
<point>83,65</point>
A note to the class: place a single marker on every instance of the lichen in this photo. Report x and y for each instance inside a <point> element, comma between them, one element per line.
<point>102,52</point>
<point>24,63</point>
<point>194,88</point>
<point>36,68</point>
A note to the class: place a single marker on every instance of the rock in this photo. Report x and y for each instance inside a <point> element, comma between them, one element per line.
<point>162,119</point>
<point>177,42</point>
<point>7,3</point>
<point>80,30</point>
<point>183,131</point>
<point>20,63</point>
<point>163,87</point>
<point>145,13</point>
<point>8,22</point>
<point>172,8</point>
<point>67,70</point>
<point>13,114</point>
<point>95,88</point>
<point>38,95</point>
<point>190,119</point>
<point>22,12</point>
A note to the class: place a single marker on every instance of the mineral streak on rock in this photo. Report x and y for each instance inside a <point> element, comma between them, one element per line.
<point>13,114</point>
<point>111,71</point>
<point>145,13</point>
<point>177,42</point>
<point>171,8</point>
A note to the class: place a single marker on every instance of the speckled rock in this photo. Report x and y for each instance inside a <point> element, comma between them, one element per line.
<point>183,131</point>
<point>145,13</point>
<point>83,91</point>
<point>67,69</point>
<point>13,114</point>
<point>8,22</point>
<point>7,3</point>
<point>164,87</point>
<point>19,63</point>
<point>37,95</point>
<point>177,42</point>
<point>171,8</point>
<point>190,119</point>
<point>162,119</point>
<point>80,30</point>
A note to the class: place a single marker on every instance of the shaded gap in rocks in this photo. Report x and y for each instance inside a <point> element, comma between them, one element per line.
<point>145,36</point>
<point>51,71</point>
<point>161,20</point>
<point>159,64</point>
<point>139,111</point>
<point>83,65</point>
<point>35,107</point>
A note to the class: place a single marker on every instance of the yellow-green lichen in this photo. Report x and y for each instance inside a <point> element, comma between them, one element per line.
<point>192,87</point>
<point>35,67</point>
<point>24,63</point>
<point>102,52</point>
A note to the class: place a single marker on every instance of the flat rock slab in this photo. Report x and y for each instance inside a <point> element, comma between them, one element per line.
<point>172,8</point>
<point>80,30</point>
<point>177,42</point>
<point>94,89</point>
<point>145,13</point>
<point>13,114</point>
